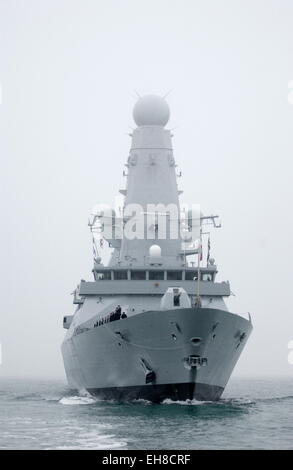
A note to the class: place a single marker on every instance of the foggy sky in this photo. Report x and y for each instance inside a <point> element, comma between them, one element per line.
<point>68,71</point>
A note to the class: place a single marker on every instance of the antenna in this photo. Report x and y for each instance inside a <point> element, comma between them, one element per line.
<point>212,219</point>
<point>167,94</point>
<point>199,257</point>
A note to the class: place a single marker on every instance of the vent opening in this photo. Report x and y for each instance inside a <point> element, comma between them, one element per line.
<point>195,341</point>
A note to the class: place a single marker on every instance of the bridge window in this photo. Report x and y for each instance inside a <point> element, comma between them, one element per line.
<point>138,275</point>
<point>191,275</point>
<point>103,275</point>
<point>156,275</point>
<point>120,275</point>
<point>207,277</point>
<point>174,275</point>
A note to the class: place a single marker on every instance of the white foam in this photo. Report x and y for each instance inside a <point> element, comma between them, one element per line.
<point>93,446</point>
<point>78,400</point>
<point>141,401</point>
<point>168,401</point>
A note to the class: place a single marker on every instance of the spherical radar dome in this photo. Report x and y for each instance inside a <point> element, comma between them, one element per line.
<point>155,251</point>
<point>151,110</point>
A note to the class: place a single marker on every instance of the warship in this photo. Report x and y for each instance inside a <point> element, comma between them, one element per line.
<point>153,324</point>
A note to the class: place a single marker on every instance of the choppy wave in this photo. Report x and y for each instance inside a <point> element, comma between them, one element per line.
<point>95,441</point>
<point>236,401</point>
<point>32,397</point>
<point>222,402</point>
<point>275,399</point>
<point>140,401</point>
<point>84,398</point>
<point>29,397</point>
<point>89,400</point>
<point>65,396</point>
<point>35,415</point>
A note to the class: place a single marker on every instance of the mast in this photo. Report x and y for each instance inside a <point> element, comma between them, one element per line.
<point>198,301</point>
<point>151,183</point>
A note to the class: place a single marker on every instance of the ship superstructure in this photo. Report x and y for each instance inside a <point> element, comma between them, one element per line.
<point>153,323</point>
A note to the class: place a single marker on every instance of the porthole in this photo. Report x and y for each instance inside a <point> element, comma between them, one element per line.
<point>195,341</point>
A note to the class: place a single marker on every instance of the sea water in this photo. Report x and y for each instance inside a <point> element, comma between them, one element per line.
<point>46,414</point>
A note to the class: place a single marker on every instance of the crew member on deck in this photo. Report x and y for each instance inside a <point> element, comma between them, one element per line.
<point>118,312</point>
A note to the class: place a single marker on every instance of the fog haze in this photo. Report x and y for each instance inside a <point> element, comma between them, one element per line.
<point>69,71</point>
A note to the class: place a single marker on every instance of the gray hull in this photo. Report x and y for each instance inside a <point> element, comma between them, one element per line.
<point>179,354</point>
